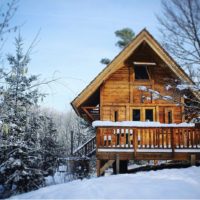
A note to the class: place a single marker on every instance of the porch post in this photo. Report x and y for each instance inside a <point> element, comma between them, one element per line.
<point>193,159</point>
<point>172,140</point>
<point>98,165</point>
<point>117,164</point>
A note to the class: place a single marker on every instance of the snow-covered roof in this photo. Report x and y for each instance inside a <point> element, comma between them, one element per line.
<point>138,124</point>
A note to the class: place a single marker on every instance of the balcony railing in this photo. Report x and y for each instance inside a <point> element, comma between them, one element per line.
<point>150,138</point>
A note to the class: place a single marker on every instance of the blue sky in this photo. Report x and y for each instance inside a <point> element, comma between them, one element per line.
<point>74,36</point>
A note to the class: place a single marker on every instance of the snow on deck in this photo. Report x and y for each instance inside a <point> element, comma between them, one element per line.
<point>148,150</point>
<point>162,184</point>
<point>138,124</point>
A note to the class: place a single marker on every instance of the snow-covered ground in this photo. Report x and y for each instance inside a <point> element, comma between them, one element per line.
<point>168,183</point>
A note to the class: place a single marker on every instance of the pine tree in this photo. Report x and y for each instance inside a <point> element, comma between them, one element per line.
<point>125,36</point>
<point>20,168</point>
<point>51,151</point>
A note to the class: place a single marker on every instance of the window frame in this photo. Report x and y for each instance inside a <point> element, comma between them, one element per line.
<point>140,113</point>
<point>167,110</point>
<point>143,112</point>
<point>153,115</point>
<point>147,70</point>
<point>116,115</point>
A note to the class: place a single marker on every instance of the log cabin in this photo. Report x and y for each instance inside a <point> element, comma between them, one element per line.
<point>137,111</point>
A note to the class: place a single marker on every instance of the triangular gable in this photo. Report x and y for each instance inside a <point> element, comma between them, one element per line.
<point>116,63</point>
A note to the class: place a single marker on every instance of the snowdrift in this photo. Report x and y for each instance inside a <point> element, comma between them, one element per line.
<point>167,184</point>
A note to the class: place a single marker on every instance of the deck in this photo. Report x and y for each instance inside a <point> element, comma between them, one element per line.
<point>148,143</point>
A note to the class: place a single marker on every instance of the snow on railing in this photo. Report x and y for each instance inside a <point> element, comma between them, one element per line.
<point>138,124</point>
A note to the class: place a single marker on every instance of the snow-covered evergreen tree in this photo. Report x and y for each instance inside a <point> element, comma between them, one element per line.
<point>83,131</point>
<point>51,151</point>
<point>20,168</point>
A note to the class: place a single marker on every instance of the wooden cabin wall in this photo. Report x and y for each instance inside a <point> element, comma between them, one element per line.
<point>120,93</point>
<point>116,88</point>
<point>114,95</point>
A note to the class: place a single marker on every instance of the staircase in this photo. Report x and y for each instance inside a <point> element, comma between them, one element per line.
<point>87,149</point>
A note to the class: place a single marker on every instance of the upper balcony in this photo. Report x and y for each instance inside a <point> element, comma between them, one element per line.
<point>147,140</point>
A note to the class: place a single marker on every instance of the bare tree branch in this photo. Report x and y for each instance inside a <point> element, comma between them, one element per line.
<point>180,28</point>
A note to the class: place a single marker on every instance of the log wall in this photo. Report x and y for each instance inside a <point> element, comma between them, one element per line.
<point>120,93</point>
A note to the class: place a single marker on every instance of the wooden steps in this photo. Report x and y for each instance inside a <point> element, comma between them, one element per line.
<point>87,149</point>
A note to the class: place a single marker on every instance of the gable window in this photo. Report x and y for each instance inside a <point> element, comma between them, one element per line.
<point>141,72</point>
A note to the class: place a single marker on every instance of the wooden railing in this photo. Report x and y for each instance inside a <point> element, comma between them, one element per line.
<point>148,138</point>
<point>87,149</point>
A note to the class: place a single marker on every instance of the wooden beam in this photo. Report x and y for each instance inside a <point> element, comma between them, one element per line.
<point>98,139</point>
<point>182,109</point>
<point>98,165</point>
<point>142,105</point>
<point>172,130</point>
<point>193,159</point>
<point>106,166</point>
<point>127,113</point>
<point>117,164</point>
<point>157,114</point>
<point>145,63</point>
<point>88,114</point>
<point>90,107</point>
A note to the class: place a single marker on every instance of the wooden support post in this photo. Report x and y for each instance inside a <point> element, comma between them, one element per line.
<point>182,109</point>
<point>117,164</point>
<point>155,162</point>
<point>106,166</point>
<point>193,159</point>
<point>135,141</point>
<point>172,140</point>
<point>157,114</point>
<point>98,139</point>
<point>127,112</point>
<point>98,167</point>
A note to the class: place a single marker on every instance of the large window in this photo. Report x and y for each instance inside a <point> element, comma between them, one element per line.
<point>141,72</point>
<point>143,114</point>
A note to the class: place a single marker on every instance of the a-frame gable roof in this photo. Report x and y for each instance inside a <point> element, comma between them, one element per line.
<point>117,62</point>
